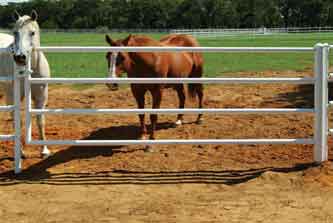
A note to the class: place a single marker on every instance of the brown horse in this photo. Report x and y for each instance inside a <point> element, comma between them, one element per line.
<point>159,65</point>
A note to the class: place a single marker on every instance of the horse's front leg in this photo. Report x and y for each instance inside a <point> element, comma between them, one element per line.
<point>40,98</point>
<point>139,95</point>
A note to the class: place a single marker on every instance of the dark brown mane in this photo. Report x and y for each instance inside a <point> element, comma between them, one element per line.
<point>140,40</point>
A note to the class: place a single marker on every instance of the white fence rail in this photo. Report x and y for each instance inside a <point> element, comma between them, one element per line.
<point>73,49</point>
<point>250,32</point>
<point>175,142</point>
<point>174,80</point>
<point>198,32</point>
<point>320,110</point>
<point>173,111</point>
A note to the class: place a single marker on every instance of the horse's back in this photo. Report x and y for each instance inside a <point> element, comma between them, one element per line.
<point>6,60</point>
<point>186,41</point>
<point>6,40</point>
<point>180,40</point>
<point>164,64</point>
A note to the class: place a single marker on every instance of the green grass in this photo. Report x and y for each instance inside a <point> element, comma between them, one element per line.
<point>94,64</point>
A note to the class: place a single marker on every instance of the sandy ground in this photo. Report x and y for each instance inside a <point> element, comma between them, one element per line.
<point>214,183</point>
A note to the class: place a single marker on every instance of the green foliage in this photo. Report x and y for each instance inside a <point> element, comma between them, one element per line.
<point>162,14</point>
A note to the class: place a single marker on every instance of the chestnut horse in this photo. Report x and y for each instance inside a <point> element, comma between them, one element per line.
<point>158,65</point>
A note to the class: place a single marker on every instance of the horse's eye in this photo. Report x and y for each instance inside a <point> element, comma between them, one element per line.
<point>32,33</point>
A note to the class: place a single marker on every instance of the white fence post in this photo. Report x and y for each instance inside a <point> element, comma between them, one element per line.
<point>321,103</point>
<point>17,121</point>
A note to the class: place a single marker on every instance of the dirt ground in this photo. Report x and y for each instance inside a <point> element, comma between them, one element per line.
<point>216,183</point>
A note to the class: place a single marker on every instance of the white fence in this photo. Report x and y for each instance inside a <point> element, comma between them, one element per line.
<point>250,32</point>
<point>16,137</point>
<point>321,131</point>
<point>205,32</point>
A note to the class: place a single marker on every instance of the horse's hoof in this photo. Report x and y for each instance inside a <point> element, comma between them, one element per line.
<point>45,156</point>
<point>45,153</point>
<point>178,122</point>
<point>143,137</point>
<point>113,87</point>
<point>148,149</point>
<point>23,155</point>
<point>199,121</point>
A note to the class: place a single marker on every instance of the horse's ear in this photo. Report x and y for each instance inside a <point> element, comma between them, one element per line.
<point>16,15</point>
<point>110,41</point>
<point>34,15</point>
<point>127,40</point>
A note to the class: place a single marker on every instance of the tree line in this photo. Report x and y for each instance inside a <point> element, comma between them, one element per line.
<point>172,14</point>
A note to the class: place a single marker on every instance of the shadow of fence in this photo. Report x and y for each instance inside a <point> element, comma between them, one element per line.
<point>228,177</point>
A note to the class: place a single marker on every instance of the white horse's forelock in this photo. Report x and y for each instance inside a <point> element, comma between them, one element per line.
<point>24,20</point>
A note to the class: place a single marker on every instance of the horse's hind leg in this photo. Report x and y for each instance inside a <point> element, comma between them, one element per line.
<point>157,97</point>
<point>181,96</point>
<point>40,99</point>
<point>199,91</point>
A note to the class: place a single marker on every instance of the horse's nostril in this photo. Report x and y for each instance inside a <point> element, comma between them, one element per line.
<point>20,57</point>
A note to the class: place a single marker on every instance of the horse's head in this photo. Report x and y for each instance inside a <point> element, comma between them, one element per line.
<point>26,35</point>
<point>117,61</point>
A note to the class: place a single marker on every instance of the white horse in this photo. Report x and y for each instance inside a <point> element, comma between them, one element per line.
<point>26,39</point>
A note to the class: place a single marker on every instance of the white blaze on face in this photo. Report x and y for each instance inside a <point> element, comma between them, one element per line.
<point>25,37</point>
<point>112,68</point>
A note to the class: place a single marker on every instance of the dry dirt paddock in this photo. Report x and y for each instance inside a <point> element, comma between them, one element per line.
<point>174,183</point>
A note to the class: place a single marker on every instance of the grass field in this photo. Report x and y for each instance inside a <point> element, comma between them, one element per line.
<point>216,64</point>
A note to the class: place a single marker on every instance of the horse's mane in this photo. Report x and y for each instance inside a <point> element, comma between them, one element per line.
<point>140,40</point>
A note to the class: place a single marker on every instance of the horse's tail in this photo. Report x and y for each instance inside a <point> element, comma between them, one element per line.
<point>197,71</point>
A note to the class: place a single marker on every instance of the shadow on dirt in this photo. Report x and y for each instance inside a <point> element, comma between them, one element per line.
<point>302,98</point>
<point>125,132</point>
<point>119,177</point>
<point>38,173</point>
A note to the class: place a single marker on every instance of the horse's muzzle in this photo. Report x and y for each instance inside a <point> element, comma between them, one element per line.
<point>113,87</point>
<point>20,59</point>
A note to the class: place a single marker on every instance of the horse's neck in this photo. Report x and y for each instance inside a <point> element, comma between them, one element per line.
<point>35,58</point>
<point>128,65</point>
<point>39,65</point>
<point>36,55</point>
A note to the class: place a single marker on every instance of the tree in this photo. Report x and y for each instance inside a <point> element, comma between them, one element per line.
<point>173,13</point>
